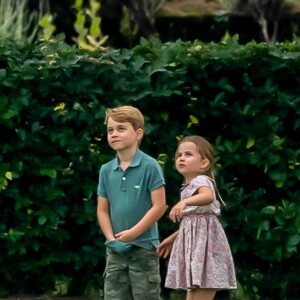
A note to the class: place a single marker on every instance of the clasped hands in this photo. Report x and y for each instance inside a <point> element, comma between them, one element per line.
<point>121,243</point>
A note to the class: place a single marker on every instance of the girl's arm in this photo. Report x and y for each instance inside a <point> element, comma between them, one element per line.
<point>165,247</point>
<point>157,210</point>
<point>203,196</point>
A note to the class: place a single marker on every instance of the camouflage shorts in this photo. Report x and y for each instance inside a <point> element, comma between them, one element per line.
<point>133,275</point>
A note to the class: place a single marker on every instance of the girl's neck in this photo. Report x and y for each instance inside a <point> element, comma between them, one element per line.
<point>188,179</point>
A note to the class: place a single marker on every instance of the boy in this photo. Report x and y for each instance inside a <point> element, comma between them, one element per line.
<point>131,199</point>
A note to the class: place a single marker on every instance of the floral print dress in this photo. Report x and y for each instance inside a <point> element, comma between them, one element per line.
<point>201,256</point>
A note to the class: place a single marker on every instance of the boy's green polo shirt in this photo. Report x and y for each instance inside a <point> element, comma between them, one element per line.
<point>129,194</point>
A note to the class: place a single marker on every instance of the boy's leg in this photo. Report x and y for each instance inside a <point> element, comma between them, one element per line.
<point>116,278</point>
<point>144,274</point>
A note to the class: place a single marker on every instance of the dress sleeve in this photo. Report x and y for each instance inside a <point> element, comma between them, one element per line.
<point>198,182</point>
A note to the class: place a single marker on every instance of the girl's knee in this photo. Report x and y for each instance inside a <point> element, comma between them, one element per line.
<point>201,294</point>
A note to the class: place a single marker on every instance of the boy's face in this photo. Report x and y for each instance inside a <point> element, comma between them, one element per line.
<point>122,136</point>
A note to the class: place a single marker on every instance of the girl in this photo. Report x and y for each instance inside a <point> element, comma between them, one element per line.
<point>201,260</point>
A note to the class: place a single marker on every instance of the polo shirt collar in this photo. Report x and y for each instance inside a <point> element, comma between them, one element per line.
<point>134,163</point>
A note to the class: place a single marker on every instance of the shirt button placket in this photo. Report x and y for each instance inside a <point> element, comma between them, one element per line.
<point>123,185</point>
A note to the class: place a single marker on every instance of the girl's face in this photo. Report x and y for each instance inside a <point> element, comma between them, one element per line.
<point>122,136</point>
<point>189,162</point>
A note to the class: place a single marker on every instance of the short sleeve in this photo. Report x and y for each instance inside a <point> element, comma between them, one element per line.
<point>157,178</point>
<point>198,182</point>
<point>101,186</point>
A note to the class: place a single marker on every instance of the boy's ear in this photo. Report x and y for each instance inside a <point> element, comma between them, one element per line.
<point>139,133</point>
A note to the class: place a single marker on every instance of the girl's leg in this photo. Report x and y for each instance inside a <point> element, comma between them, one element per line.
<point>201,294</point>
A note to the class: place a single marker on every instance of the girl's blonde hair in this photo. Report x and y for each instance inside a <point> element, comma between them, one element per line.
<point>126,113</point>
<point>205,149</point>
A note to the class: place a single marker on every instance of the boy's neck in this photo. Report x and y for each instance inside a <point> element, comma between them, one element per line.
<point>126,157</point>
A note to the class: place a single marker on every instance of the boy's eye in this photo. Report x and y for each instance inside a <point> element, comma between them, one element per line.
<point>119,129</point>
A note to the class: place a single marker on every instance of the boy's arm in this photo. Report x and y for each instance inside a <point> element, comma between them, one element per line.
<point>103,215</point>
<point>157,210</point>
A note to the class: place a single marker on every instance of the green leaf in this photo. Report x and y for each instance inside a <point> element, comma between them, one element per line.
<point>268,210</point>
<point>42,220</point>
<point>279,184</point>
<point>35,246</point>
<point>22,134</point>
<point>277,175</point>
<point>162,158</point>
<point>9,114</point>
<point>2,74</point>
<point>49,172</point>
<point>291,249</point>
<point>193,120</point>
<point>95,27</point>
<point>250,143</point>
<point>265,225</point>
<point>280,220</point>
<point>164,116</point>
<point>8,175</point>
<point>294,240</point>
<point>3,183</point>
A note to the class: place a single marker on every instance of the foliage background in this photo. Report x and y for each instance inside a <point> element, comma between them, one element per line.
<point>243,99</point>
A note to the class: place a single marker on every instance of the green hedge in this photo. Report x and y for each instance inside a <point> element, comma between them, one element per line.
<point>243,99</point>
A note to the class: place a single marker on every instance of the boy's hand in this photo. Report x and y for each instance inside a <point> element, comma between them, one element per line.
<point>119,246</point>
<point>125,236</point>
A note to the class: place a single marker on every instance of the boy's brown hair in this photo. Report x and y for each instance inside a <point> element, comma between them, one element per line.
<point>126,113</point>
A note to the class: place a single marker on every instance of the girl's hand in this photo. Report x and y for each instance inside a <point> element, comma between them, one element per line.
<point>165,247</point>
<point>176,212</point>
<point>125,236</point>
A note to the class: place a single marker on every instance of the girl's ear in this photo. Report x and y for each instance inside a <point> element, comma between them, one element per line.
<point>204,163</point>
